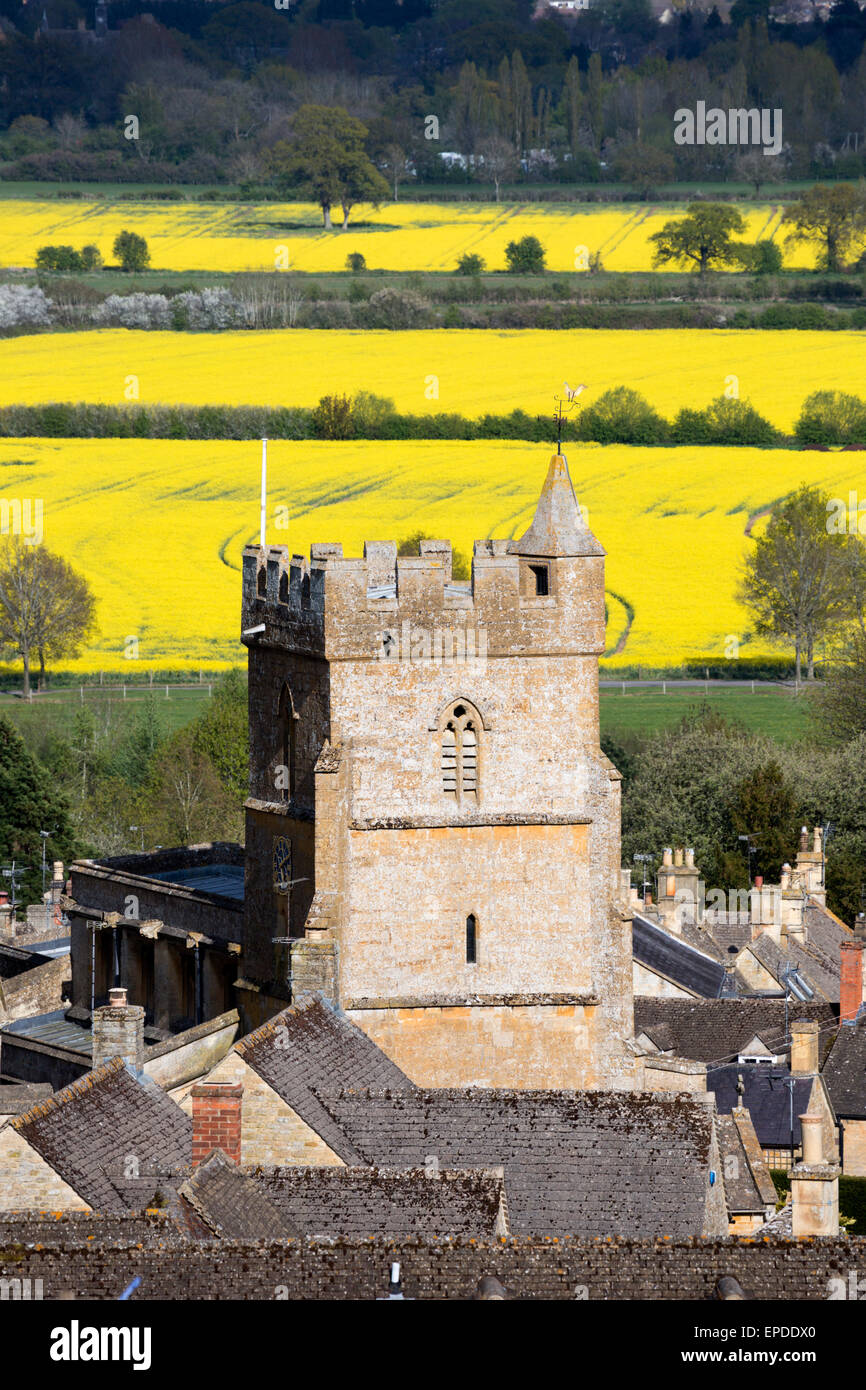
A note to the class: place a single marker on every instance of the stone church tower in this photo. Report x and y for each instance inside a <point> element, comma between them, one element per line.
<point>433,833</point>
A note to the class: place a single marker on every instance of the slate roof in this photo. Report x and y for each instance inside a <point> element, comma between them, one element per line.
<point>674,958</point>
<point>766,1097</point>
<point>358,1202</point>
<point>718,1030</point>
<point>584,1163</point>
<point>234,1205</point>
<point>310,1046</point>
<point>845,1071</point>
<point>741,1192</point>
<point>98,1122</point>
<point>812,961</point>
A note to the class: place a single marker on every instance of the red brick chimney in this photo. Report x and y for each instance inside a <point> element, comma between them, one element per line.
<point>851,979</point>
<point>216,1120</point>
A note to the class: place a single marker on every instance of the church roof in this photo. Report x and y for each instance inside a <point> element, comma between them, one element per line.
<point>558,527</point>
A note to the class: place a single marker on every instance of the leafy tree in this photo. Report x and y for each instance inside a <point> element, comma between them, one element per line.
<point>58,258</point>
<point>621,416</point>
<point>644,168</point>
<point>832,217</point>
<point>764,258</point>
<point>766,807</point>
<point>31,801</point>
<point>327,161</point>
<point>725,420</point>
<point>526,256</point>
<point>355,262</point>
<point>831,417</point>
<point>460,567</point>
<point>46,608</point>
<point>470,264</point>
<point>795,580</point>
<point>186,801</point>
<point>840,701</point>
<point>131,250</point>
<point>702,238</point>
<point>222,734</point>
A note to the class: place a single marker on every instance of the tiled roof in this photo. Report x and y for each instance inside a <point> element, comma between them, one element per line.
<point>811,960</point>
<point>718,1030</point>
<point>668,955</point>
<point>845,1071</point>
<point>584,1163</point>
<point>741,1193</point>
<point>105,1120</point>
<point>234,1205</point>
<point>310,1046</point>
<point>767,1097</point>
<point>357,1202</point>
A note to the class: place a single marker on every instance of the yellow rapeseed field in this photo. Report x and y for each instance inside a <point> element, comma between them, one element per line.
<point>397,236</point>
<point>472,371</point>
<point>158,528</point>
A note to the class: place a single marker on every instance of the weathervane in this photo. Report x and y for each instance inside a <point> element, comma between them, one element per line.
<point>563,406</point>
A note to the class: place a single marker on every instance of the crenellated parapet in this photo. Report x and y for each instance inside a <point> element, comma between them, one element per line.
<point>350,608</point>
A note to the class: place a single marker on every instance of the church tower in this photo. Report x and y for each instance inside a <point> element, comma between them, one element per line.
<point>433,832</point>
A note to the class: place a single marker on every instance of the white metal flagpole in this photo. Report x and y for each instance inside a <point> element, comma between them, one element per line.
<point>264,511</point>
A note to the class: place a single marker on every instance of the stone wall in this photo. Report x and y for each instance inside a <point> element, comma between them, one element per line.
<point>340,1269</point>
<point>35,991</point>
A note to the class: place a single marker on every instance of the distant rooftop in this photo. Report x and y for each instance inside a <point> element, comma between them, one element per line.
<point>222,880</point>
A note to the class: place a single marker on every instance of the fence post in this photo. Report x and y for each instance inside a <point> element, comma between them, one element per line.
<point>124,692</point>
<point>166,692</point>
<point>82,693</point>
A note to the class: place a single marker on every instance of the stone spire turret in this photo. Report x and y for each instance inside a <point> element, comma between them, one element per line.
<point>558,527</point>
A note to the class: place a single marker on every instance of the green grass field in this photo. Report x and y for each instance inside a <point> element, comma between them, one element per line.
<point>778,713</point>
<point>56,711</point>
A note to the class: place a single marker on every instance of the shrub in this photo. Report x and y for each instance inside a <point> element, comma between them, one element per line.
<point>765,258</point>
<point>831,417</point>
<point>392,308</point>
<point>525,256</point>
<point>24,306</point>
<point>206,311</point>
<point>470,264</point>
<point>332,418</point>
<point>621,416</point>
<point>59,258</point>
<point>134,311</point>
<point>723,421</point>
<point>369,413</point>
<point>355,262</point>
<point>131,250</point>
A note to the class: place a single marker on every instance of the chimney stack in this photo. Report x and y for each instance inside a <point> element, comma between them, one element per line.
<point>804,1047</point>
<point>814,1185</point>
<point>216,1120</point>
<point>118,1031</point>
<point>851,979</point>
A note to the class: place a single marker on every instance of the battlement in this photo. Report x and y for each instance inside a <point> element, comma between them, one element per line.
<point>543,592</point>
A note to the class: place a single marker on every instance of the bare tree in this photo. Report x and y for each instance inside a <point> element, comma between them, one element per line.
<point>498,160</point>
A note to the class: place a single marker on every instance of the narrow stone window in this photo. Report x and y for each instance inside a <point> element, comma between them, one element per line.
<point>541,575</point>
<point>287,775</point>
<point>460,753</point>
<point>262,582</point>
<point>471,939</point>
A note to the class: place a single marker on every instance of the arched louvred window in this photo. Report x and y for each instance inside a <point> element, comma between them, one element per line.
<point>470,760</point>
<point>471,939</point>
<point>460,752</point>
<point>449,760</point>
